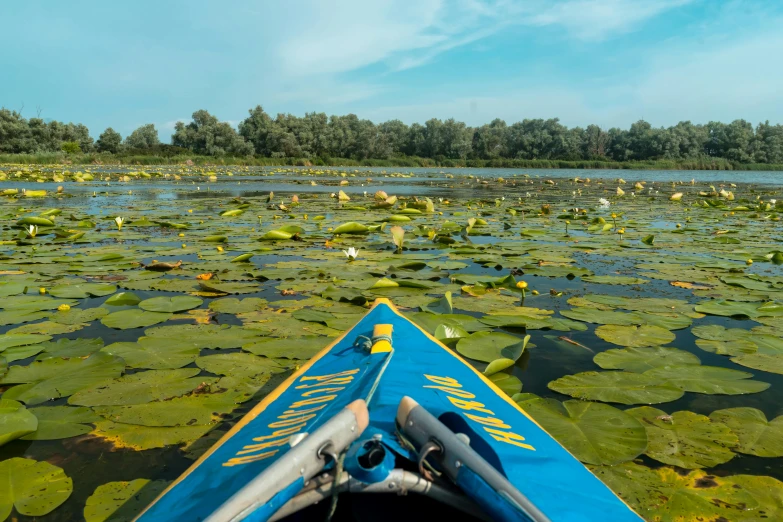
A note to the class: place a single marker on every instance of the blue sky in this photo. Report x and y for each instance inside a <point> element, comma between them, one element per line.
<point>610,62</point>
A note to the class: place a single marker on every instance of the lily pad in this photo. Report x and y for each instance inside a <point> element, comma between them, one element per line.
<point>134,318</point>
<point>82,290</point>
<point>141,387</point>
<point>667,495</point>
<point>53,378</point>
<point>639,360</point>
<point>11,340</point>
<point>619,387</point>
<point>177,303</point>
<point>594,433</point>
<point>756,435</point>
<point>123,299</point>
<point>232,305</point>
<point>635,336</point>
<point>761,361</point>
<point>121,501</point>
<point>238,364</point>
<point>293,348</point>
<point>684,438</point>
<point>712,380</point>
<point>192,410</point>
<point>61,422</point>
<point>142,438</point>
<point>67,348</point>
<point>15,421</point>
<point>205,335</point>
<point>34,488</point>
<point>614,280</point>
<point>155,353</point>
<point>509,384</point>
<point>488,346</point>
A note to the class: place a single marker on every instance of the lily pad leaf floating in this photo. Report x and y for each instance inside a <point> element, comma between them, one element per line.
<point>33,488</point>
<point>134,318</point>
<point>740,309</point>
<point>197,409</point>
<point>615,280</point>
<point>684,438</point>
<point>509,384</point>
<point>229,288</point>
<point>488,346</point>
<point>440,306</point>
<point>232,305</point>
<point>639,360</point>
<point>55,377</point>
<point>738,347</point>
<point>140,387</point>
<point>711,380</point>
<point>178,303</point>
<point>205,335</point>
<point>594,433</point>
<point>619,387</point>
<point>300,348</point>
<point>761,361</point>
<point>123,299</point>
<point>498,365</point>
<point>756,435</point>
<point>666,494</point>
<point>448,333</point>
<point>11,340</point>
<point>61,422</point>
<point>67,348</point>
<point>140,438</point>
<point>121,501</point>
<point>15,421</point>
<point>635,336</point>
<point>155,353</point>
<point>239,364</point>
<point>82,290</point>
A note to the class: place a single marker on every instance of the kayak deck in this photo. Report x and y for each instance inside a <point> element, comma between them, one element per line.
<point>436,378</point>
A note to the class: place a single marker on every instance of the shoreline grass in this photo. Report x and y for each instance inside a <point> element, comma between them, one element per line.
<point>397,162</point>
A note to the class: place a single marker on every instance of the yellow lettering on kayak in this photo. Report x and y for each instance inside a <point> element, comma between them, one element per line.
<point>491,424</point>
<point>322,390</point>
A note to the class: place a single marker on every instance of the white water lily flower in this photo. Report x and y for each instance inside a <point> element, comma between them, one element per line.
<point>773,201</point>
<point>604,203</point>
<point>119,222</point>
<point>351,254</point>
<point>32,231</point>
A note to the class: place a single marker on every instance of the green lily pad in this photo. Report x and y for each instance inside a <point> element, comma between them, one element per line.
<point>738,347</point>
<point>15,421</point>
<point>594,433</point>
<point>198,409</point>
<point>230,288</point>
<point>18,353</point>
<point>34,488</point>
<point>53,378</point>
<point>178,303</point>
<point>619,387</point>
<point>46,328</point>
<point>639,360</point>
<point>238,364</point>
<point>509,384</point>
<point>756,435</point>
<point>121,501</point>
<point>488,346</point>
<point>449,334</point>
<point>739,309</point>
<point>712,380</point>
<point>232,305</point>
<point>61,422</point>
<point>634,336</point>
<point>205,335</point>
<point>684,438</point>
<point>440,306</point>
<point>140,438</point>
<point>76,316</point>
<point>21,316</point>
<point>498,365</point>
<point>667,495</point>
<point>123,299</point>
<point>134,318</point>
<point>141,387</point>
<point>761,361</point>
<point>614,280</point>
<point>82,290</point>
<point>292,348</point>
<point>155,353</point>
<point>11,340</point>
<point>67,348</point>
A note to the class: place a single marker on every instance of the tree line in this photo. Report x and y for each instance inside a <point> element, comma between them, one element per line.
<point>316,135</point>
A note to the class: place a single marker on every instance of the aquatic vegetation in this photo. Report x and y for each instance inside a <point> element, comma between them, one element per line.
<point>157,329</point>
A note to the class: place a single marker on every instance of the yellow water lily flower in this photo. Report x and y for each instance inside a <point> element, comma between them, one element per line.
<point>119,222</point>
<point>63,308</point>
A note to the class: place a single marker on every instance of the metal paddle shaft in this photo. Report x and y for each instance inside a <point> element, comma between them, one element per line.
<point>455,456</point>
<point>302,462</point>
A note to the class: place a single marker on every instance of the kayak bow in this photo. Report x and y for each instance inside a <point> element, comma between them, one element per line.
<point>436,426</point>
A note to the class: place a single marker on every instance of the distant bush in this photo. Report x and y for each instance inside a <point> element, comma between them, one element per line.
<point>71,147</point>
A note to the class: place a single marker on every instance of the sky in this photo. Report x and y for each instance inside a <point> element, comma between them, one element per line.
<point>608,62</point>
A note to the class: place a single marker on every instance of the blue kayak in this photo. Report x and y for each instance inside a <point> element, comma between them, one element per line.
<point>388,408</point>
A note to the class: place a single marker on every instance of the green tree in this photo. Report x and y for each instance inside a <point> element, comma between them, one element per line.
<point>109,141</point>
<point>145,137</point>
<point>207,135</point>
<point>71,147</point>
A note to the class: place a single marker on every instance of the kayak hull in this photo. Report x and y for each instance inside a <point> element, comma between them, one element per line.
<point>418,366</point>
